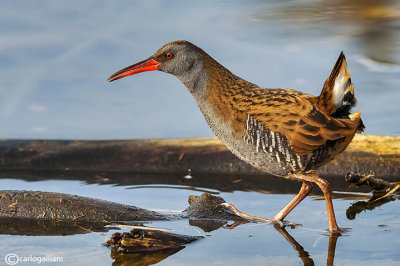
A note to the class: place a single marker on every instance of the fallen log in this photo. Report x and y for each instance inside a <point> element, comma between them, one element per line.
<point>381,188</point>
<point>205,155</point>
<point>66,207</point>
<point>48,213</point>
<point>53,206</point>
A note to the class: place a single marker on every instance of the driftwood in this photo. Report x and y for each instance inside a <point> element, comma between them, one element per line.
<point>383,192</point>
<point>377,184</point>
<point>378,153</point>
<point>381,188</point>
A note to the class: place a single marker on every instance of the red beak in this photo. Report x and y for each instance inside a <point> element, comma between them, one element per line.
<point>145,65</point>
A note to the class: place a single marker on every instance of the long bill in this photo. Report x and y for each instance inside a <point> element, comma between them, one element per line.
<point>145,65</point>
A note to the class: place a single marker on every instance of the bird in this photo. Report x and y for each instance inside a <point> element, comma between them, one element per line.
<point>283,132</point>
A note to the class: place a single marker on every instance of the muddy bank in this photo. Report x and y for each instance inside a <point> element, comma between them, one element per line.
<point>380,154</point>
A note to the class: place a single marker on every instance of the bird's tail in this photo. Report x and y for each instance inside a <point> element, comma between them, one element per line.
<point>337,96</point>
<point>356,117</point>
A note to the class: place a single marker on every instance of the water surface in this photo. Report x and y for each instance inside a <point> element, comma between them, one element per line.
<point>371,239</point>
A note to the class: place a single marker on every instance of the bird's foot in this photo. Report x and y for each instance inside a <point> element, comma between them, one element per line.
<point>338,231</point>
<point>235,224</point>
<point>281,223</point>
<point>243,215</point>
<point>276,222</point>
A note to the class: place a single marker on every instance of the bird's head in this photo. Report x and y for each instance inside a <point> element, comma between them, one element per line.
<point>178,58</point>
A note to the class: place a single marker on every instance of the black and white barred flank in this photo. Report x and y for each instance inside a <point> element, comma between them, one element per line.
<point>278,147</point>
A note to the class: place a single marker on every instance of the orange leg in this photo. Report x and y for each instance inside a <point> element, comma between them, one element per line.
<point>324,186</point>
<point>304,191</point>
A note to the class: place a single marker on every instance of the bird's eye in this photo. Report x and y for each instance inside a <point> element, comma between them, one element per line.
<point>169,55</point>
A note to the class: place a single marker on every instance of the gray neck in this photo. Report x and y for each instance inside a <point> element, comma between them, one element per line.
<point>195,80</point>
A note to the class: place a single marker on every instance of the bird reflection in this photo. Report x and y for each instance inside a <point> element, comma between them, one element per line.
<point>303,255</point>
<point>35,227</point>
<point>208,225</point>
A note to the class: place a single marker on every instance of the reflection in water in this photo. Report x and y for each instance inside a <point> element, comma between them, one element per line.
<point>141,258</point>
<point>145,247</point>
<point>383,192</point>
<point>303,255</point>
<point>33,227</point>
<point>361,206</point>
<point>331,249</point>
<point>192,188</point>
<point>143,252</point>
<point>224,183</point>
<point>373,23</point>
<point>50,227</point>
<point>198,182</point>
<point>208,225</point>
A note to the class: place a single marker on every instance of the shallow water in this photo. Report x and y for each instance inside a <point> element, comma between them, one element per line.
<point>371,238</point>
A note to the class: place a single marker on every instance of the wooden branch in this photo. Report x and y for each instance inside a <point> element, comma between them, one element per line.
<point>370,180</point>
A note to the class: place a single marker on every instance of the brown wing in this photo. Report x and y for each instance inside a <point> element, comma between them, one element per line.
<point>297,116</point>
